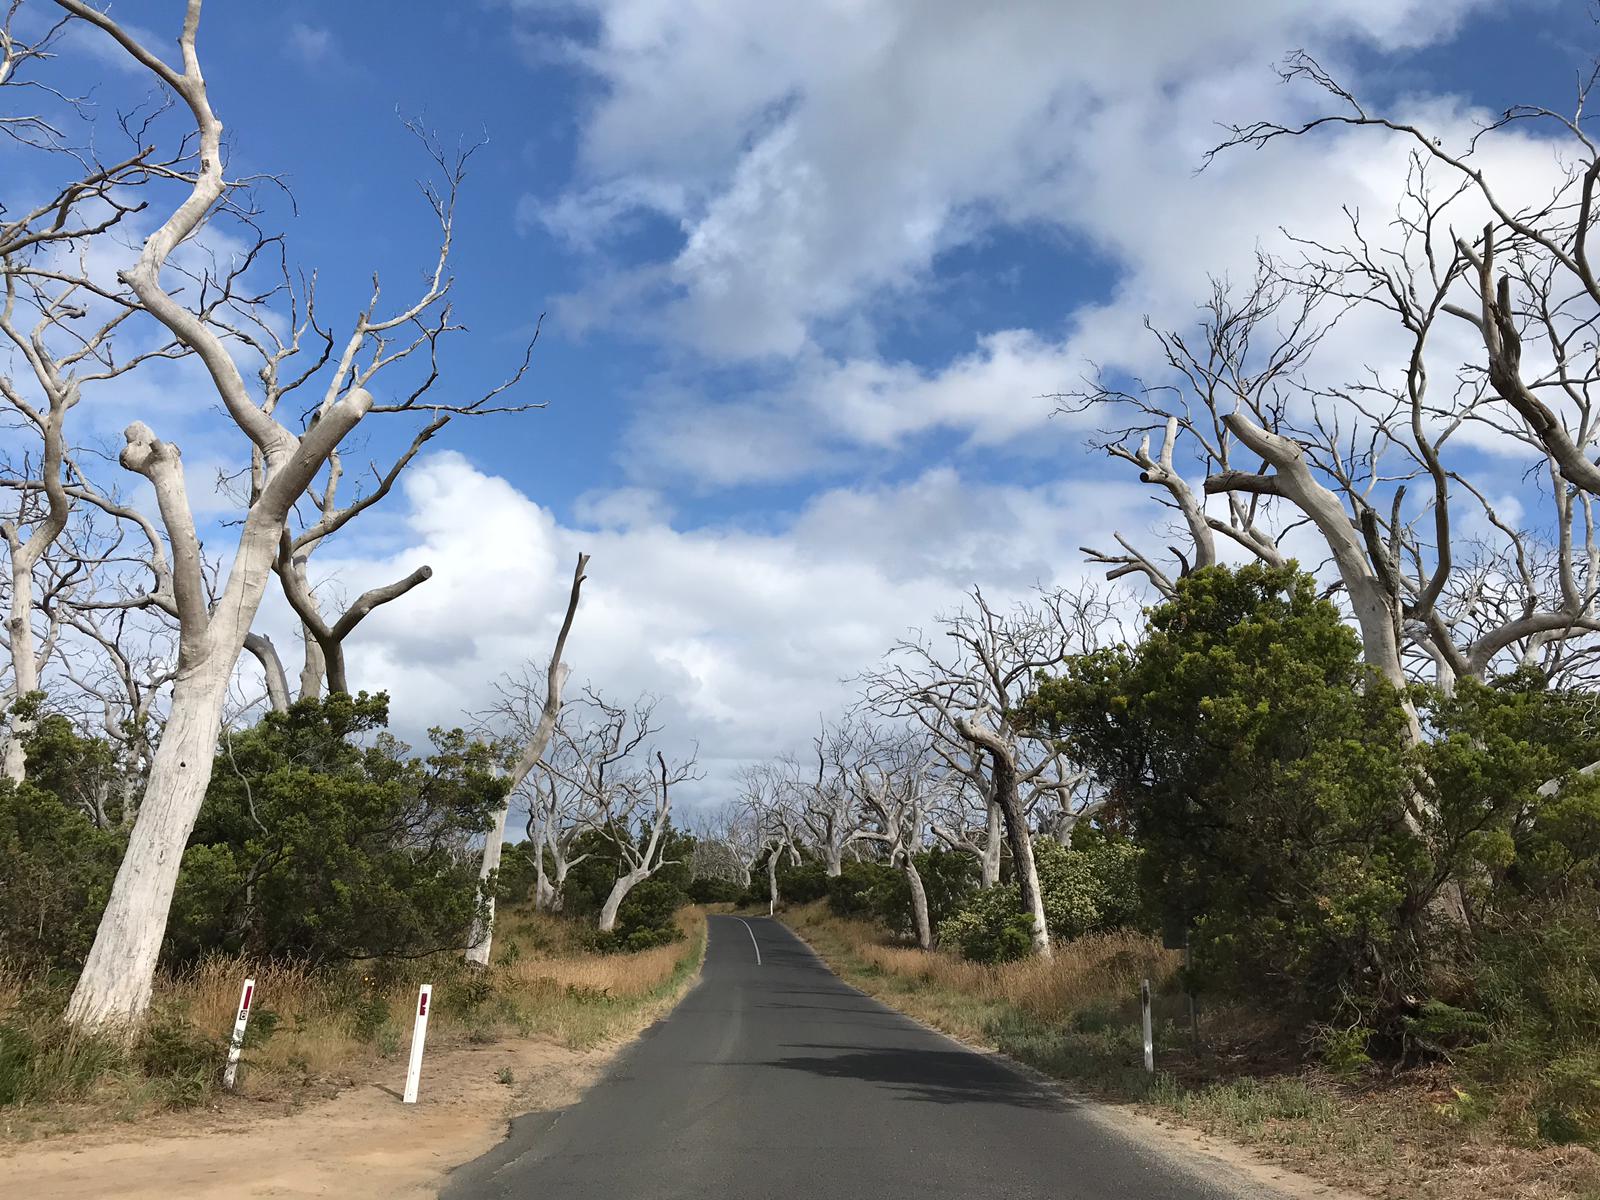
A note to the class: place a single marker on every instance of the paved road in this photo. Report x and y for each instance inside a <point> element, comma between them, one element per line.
<point>774,1080</point>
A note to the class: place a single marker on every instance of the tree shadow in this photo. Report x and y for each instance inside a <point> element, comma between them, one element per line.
<point>929,1076</point>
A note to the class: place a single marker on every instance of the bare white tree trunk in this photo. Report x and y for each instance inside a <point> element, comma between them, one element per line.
<point>619,892</point>
<point>1007,798</point>
<point>919,902</point>
<point>24,664</point>
<point>544,892</point>
<point>114,989</point>
<point>532,751</point>
<point>993,841</point>
<point>772,881</point>
<point>260,645</point>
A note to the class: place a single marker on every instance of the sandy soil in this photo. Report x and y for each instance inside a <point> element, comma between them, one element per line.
<point>361,1144</point>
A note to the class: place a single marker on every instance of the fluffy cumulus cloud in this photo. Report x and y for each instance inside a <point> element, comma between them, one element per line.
<point>815,175</point>
<point>746,637</point>
<point>817,169</point>
<point>811,163</point>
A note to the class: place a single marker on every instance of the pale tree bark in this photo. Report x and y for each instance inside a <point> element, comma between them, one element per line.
<point>967,819</point>
<point>828,811</point>
<point>963,702</point>
<point>532,751</point>
<point>598,748</point>
<point>59,328</point>
<point>1008,799</point>
<point>277,681</point>
<point>114,988</point>
<point>768,796</point>
<point>1530,260</point>
<point>641,862</point>
<point>892,783</point>
<point>559,812</point>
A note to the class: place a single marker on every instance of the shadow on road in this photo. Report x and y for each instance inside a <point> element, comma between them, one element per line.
<point>931,1076</point>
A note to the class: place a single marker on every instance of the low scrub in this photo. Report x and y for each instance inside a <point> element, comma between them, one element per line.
<point>315,1027</point>
<point>1318,1103</point>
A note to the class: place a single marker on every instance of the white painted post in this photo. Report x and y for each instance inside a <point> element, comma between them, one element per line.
<point>1149,1036</point>
<point>246,994</point>
<point>419,1034</point>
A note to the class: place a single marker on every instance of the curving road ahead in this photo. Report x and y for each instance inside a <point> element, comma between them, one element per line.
<point>774,1080</point>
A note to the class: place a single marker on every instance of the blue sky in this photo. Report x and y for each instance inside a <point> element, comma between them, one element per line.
<point>807,271</point>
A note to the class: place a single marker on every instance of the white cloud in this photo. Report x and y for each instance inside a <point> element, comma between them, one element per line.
<point>817,168</point>
<point>311,44</point>
<point>747,636</point>
<point>818,163</point>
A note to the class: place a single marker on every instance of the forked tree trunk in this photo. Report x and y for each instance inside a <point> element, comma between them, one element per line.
<point>1009,800</point>
<point>483,932</point>
<point>619,892</point>
<point>772,883</point>
<point>558,884</point>
<point>919,902</point>
<point>543,892</point>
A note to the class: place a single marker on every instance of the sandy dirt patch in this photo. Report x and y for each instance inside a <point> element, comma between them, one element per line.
<point>361,1144</point>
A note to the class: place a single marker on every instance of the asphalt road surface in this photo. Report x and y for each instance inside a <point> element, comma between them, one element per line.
<point>774,1080</point>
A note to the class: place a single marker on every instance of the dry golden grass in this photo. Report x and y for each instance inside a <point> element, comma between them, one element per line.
<point>1075,1018</point>
<point>1083,973</point>
<point>312,1030</point>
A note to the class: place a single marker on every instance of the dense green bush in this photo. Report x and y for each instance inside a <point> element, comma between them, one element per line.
<point>798,883</point>
<point>56,864</point>
<point>1089,886</point>
<point>646,916</point>
<point>313,844</point>
<point>518,874</point>
<point>56,870</point>
<point>706,890</point>
<point>850,893</point>
<point>1265,774</point>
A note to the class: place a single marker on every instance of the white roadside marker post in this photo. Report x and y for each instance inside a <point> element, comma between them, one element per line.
<point>1149,1037</point>
<point>246,994</point>
<point>419,1034</point>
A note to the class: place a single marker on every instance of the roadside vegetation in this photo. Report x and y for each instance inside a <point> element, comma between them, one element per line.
<point>316,1029</point>
<point>1390,937</point>
<point>339,869</point>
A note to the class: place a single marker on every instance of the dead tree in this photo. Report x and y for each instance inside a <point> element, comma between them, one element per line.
<point>225,320</point>
<point>534,733</point>
<point>1528,289</point>
<point>964,695</point>
<point>626,790</point>
<point>893,785</point>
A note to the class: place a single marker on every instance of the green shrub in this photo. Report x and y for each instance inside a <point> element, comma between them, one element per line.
<point>646,918</point>
<point>991,927</point>
<point>50,1062</point>
<point>185,1061</point>
<point>714,891</point>
<point>1264,773</point>
<point>349,847</point>
<point>850,891</point>
<point>1083,890</point>
<point>56,870</point>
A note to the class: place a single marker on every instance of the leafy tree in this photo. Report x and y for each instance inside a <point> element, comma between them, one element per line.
<point>948,877</point>
<point>1265,774</point>
<point>56,869</point>
<point>1086,887</point>
<point>1503,769</point>
<point>315,844</point>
